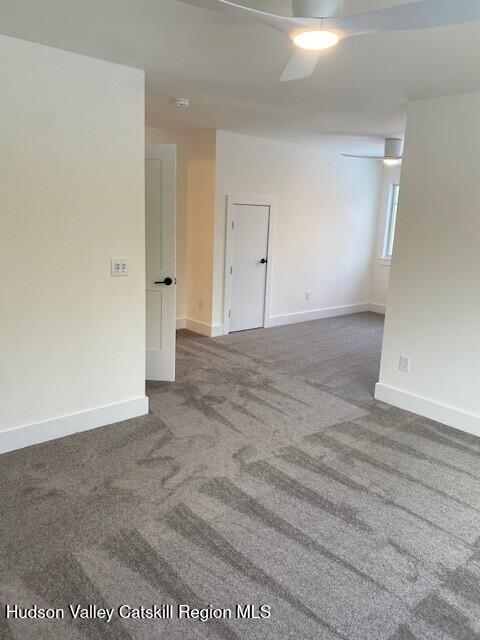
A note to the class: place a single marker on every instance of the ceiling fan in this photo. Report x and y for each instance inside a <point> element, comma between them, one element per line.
<point>318,24</point>
<point>392,154</point>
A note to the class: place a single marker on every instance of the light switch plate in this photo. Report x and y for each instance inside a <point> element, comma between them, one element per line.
<point>119,267</point>
<point>404,364</point>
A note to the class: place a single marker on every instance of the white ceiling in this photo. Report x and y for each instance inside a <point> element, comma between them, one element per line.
<point>230,67</point>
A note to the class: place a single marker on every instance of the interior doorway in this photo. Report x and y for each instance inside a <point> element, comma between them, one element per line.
<point>248,263</point>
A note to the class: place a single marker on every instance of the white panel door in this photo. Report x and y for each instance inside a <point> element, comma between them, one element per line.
<point>160,261</point>
<point>249,266</point>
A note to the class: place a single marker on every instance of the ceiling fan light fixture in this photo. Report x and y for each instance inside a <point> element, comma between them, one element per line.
<point>316,40</point>
<point>393,153</point>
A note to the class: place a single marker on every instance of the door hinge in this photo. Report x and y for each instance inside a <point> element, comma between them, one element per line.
<point>231,270</point>
<point>229,313</point>
<point>233,224</point>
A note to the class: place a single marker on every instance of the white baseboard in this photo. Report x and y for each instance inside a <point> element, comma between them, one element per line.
<point>217,330</point>
<point>428,408</point>
<point>29,434</point>
<point>376,307</point>
<point>203,328</point>
<point>316,314</point>
<point>212,331</point>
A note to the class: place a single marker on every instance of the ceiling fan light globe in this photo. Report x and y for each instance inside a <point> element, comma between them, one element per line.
<point>316,40</point>
<point>392,162</point>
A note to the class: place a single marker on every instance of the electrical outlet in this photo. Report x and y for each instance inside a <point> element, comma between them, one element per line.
<point>119,267</point>
<point>308,296</point>
<point>404,364</point>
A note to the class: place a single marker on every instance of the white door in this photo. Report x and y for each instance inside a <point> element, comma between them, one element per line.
<point>249,256</point>
<point>160,260</point>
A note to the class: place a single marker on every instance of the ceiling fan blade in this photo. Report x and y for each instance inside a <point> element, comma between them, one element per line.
<point>352,155</point>
<point>282,23</point>
<point>422,14</point>
<point>301,65</point>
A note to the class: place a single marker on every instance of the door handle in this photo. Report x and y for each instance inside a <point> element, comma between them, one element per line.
<point>263,261</point>
<point>167,281</point>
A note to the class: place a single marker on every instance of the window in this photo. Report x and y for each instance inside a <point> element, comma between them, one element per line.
<point>390,223</point>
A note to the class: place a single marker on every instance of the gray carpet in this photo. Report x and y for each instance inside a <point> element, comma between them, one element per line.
<point>266,474</point>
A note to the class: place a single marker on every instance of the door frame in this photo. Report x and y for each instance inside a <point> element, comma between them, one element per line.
<point>260,201</point>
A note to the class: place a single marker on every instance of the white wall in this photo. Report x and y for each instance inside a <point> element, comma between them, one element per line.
<point>71,197</point>
<point>180,139</point>
<point>381,270</point>
<point>325,226</point>
<point>434,298</point>
<point>201,170</point>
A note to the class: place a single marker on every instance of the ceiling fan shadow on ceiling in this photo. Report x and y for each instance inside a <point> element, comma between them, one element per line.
<point>393,153</point>
<point>316,25</point>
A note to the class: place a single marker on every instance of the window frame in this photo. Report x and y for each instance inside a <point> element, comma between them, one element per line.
<point>390,222</point>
